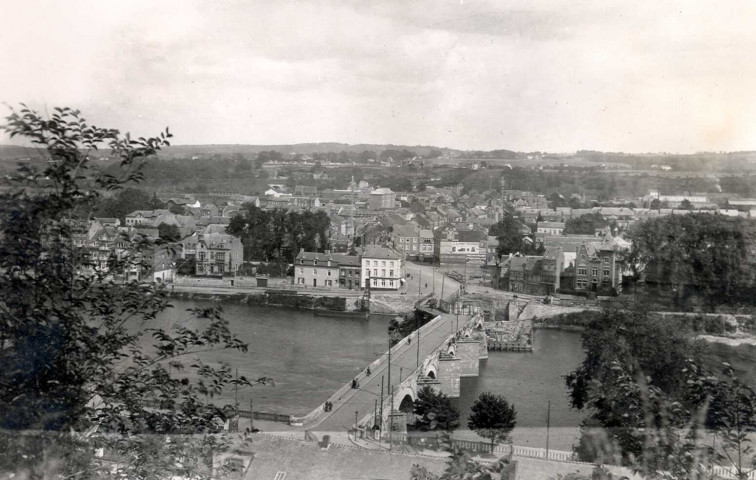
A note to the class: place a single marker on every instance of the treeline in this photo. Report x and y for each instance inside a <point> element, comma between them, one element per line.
<point>279,235</point>
<point>594,183</point>
<point>705,255</point>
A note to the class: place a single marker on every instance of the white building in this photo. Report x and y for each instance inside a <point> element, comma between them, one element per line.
<point>383,268</point>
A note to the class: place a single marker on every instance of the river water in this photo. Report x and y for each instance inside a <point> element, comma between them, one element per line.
<point>310,357</point>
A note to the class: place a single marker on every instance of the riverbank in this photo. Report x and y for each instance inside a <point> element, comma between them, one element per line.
<point>275,298</point>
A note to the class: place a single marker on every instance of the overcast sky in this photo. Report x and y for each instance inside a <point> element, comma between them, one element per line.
<point>541,75</point>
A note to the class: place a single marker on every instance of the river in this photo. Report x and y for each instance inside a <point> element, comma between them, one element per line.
<point>310,357</point>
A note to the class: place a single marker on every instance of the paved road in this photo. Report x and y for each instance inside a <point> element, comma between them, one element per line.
<point>363,399</point>
<point>423,274</point>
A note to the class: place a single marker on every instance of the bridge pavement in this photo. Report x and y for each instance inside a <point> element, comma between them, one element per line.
<point>362,400</point>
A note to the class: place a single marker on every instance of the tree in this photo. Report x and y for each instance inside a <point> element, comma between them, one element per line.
<point>177,209</point>
<point>492,417</point>
<point>434,411</point>
<point>169,232</point>
<point>686,205</point>
<point>84,365</point>
<point>618,347</point>
<point>125,201</point>
<point>699,252</point>
<point>585,224</point>
<point>655,204</point>
<point>509,232</point>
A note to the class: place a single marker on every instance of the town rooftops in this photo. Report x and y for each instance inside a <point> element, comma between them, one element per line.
<point>382,191</point>
<point>376,251</point>
<point>323,259</point>
<point>472,236</point>
<point>550,224</point>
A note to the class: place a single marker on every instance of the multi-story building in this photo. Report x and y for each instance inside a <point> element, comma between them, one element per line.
<point>599,266</point>
<point>327,270</point>
<point>314,269</point>
<point>468,247</point>
<point>383,268</point>
<point>381,199</point>
<point>535,275</point>
<point>218,254</point>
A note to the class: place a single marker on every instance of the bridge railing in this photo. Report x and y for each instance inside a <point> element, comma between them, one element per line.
<point>361,377</point>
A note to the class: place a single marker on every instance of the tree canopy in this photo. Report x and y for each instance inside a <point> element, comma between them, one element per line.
<point>278,234</point>
<point>585,224</point>
<point>709,254</point>
<point>85,364</point>
<point>509,232</point>
<point>434,411</point>
<point>492,417</point>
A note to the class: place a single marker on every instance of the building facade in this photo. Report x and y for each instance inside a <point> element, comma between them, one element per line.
<point>598,267</point>
<point>383,268</point>
<point>218,254</point>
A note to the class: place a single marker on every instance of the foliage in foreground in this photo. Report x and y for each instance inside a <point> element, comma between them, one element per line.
<point>87,371</point>
<point>654,406</point>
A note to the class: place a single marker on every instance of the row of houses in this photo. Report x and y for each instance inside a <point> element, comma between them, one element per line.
<point>377,268</point>
<point>588,265</point>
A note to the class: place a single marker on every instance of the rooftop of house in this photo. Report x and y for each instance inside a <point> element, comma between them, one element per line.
<point>472,236</point>
<point>382,191</point>
<point>550,224</point>
<point>376,251</point>
<point>217,240</point>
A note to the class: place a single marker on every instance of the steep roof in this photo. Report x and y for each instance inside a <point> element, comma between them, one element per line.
<point>376,251</point>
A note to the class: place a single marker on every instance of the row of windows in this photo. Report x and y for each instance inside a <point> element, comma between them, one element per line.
<point>375,272</point>
<point>383,283</point>
<point>383,263</point>
<point>594,271</point>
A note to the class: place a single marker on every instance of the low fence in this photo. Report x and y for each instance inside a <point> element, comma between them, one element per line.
<point>271,417</point>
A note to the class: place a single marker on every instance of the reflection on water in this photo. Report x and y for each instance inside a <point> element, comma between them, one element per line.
<point>308,357</point>
<point>529,381</point>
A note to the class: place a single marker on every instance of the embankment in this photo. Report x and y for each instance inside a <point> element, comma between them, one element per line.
<point>276,298</point>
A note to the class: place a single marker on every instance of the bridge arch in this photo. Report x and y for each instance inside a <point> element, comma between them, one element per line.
<point>404,397</point>
<point>431,371</point>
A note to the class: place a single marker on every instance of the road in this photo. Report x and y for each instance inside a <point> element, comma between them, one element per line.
<point>362,400</point>
<point>423,274</point>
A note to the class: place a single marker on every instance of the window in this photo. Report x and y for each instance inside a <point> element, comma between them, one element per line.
<point>606,259</point>
<point>454,249</point>
<point>329,274</point>
<point>594,272</point>
<point>383,263</point>
<point>391,283</point>
<point>375,272</point>
<point>201,256</point>
<point>383,272</point>
<point>606,272</point>
<point>375,263</point>
<point>315,262</point>
<point>301,261</point>
<point>391,273</point>
<point>383,283</point>
<point>220,256</point>
<point>301,270</point>
<point>375,282</point>
<point>314,271</point>
<point>582,271</point>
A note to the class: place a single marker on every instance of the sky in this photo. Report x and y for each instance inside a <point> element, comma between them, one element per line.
<point>557,76</point>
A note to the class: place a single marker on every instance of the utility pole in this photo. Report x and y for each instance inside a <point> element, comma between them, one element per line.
<point>391,420</point>
<point>380,424</point>
<point>392,391</point>
<point>356,426</point>
<point>420,281</point>
<point>434,279</point>
<point>548,421</point>
<point>443,277</point>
